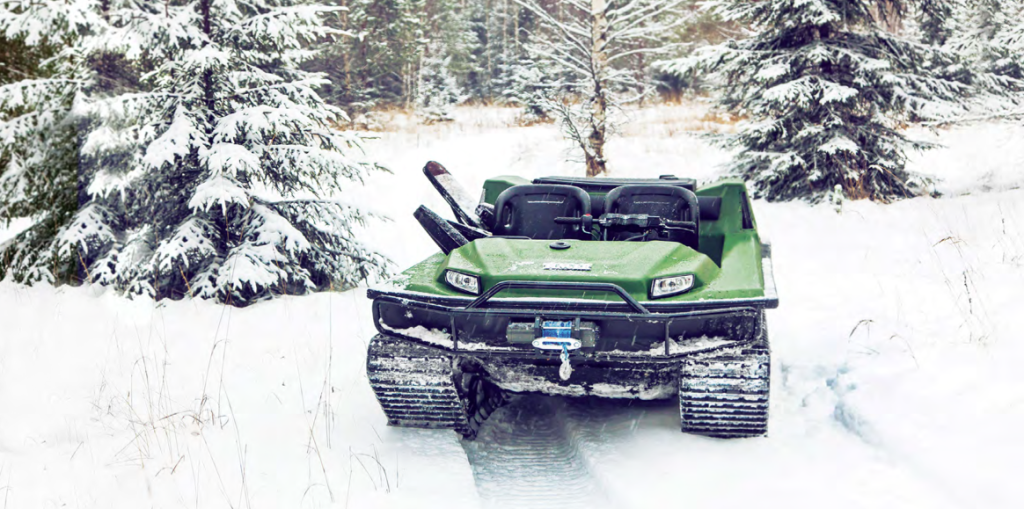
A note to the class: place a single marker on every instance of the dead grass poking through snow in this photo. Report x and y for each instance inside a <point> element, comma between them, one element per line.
<point>660,119</point>
<point>669,120</point>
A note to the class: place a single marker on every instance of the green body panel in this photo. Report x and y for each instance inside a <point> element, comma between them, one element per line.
<point>494,186</point>
<point>735,249</point>
<point>728,265</point>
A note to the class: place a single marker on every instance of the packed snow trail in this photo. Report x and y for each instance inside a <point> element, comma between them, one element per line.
<point>525,456</point>
<point>564,452</point>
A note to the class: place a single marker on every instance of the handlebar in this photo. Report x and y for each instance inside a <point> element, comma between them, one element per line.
<point>626,220</point>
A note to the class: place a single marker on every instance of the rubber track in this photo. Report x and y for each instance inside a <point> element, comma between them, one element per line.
<point>416,388</point>
<point>727,396</point>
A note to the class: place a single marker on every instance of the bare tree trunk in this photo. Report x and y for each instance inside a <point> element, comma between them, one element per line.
<point>599,101</point>
<point>346,62</point>
<point>516,33</point>
<point>487,47</point>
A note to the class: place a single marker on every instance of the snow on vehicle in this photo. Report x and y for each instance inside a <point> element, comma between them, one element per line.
<point>616,288</point>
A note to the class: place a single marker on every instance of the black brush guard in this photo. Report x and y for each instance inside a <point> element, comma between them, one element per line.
<point>626,331</point>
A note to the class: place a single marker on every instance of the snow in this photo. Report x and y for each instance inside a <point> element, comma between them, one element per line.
<point>218,190</point>
<point>462,197</point>
<point>975,158</point>
<point>432,336</point>
<point>175,142</point>
<point>839,143</point>
<point>896,363</point>
<point>128,404</point>
<point>15,227</point>
<point>529,383</point>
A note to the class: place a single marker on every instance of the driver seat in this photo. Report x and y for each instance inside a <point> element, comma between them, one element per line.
<point>530,210</point>
<point>667,202</point>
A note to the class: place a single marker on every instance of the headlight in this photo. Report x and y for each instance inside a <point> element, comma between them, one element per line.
<point>665,286</point>
<point>464,282</point>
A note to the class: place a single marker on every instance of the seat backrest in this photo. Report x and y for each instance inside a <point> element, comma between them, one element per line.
<point>666,202</point>
<point>530,210</point>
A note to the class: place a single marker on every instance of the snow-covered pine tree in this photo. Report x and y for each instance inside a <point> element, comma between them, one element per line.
<point>593,43</point>
<point>825,85</point>
<point>43,74</point>
<point>984,37</point>
<point>449,24</point>
<point>216,180</point>
<point>437,91</point>
<point>530,88</point>
<point>501,28</point>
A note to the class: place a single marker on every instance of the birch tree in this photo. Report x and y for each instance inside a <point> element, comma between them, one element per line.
<point>591,44</point>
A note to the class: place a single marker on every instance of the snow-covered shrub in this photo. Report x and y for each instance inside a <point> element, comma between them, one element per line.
<point>216,178</point>
<point>437,91</point>
<point>826,84</point>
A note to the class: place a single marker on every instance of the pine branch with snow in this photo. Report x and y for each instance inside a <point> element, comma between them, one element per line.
<point>988,38</point>
<point>532,87</point>
<point>39,171</point>
<point>935,19</point>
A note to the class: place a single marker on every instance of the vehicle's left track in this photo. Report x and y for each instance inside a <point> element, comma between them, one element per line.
<point>422,387</point>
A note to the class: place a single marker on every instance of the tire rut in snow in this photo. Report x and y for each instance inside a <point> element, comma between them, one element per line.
<point>526,456</point>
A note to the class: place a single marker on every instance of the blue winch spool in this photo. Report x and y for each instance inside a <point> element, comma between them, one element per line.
<point>553,329</point>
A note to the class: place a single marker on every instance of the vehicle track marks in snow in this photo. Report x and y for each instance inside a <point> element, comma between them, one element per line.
<point>526,456</point>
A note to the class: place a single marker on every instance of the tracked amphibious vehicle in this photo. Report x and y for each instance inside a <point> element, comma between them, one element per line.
<point>618,288</point>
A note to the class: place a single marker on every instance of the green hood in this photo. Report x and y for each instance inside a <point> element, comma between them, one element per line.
<point>631,265</point>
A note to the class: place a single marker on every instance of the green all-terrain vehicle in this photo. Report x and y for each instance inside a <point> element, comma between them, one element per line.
<point>618,288</point>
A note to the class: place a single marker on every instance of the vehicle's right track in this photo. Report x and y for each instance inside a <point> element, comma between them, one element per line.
<point>727,396</point>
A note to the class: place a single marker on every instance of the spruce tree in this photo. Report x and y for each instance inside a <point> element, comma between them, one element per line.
<point>985,38</point>
<point>826,85</point>
<point>44,73</point>
<point>449,28</point>
<point>531,87</point>
<point>437,91</point>
<point>217,178</point>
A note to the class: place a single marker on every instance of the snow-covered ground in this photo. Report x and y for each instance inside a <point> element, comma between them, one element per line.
<point>897,359</point>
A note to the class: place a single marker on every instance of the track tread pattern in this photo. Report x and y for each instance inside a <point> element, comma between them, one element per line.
<point>415,386</point>
<point>418,387</point>
<point>726,396</point>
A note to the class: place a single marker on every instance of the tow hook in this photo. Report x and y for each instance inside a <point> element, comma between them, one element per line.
<point>565,371</point>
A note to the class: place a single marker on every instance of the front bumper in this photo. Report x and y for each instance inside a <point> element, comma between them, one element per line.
<point>629,331</point>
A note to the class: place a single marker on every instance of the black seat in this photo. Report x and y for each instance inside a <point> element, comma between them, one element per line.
<point>530,211</point>
<point>666,202</point>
